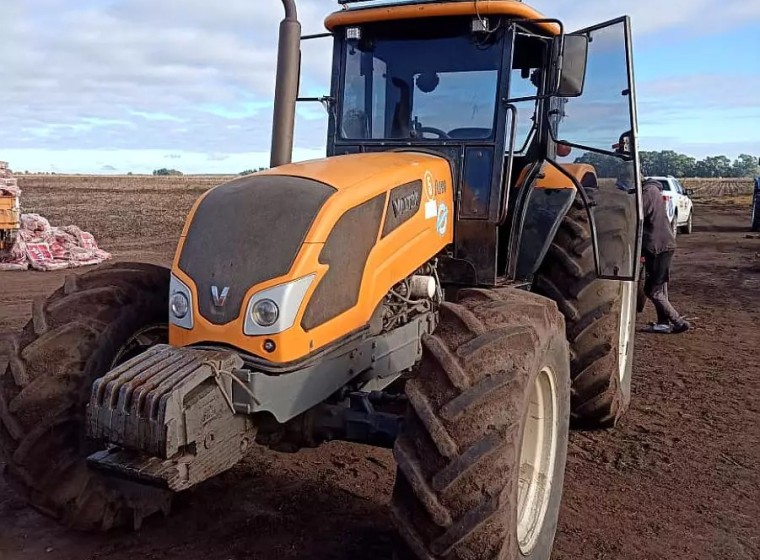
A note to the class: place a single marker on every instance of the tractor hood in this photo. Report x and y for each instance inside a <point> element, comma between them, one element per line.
<point>335,220</point>
<point>358,177</point>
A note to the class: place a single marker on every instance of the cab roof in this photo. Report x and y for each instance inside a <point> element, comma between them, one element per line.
<point>441,8</point>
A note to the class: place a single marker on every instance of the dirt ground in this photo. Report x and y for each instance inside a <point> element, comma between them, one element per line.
<point>678,479</point>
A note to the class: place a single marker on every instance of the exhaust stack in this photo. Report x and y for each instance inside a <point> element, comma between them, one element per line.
<point>286,86</point>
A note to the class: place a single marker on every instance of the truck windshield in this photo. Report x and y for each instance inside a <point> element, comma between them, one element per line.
<point>423,88</point>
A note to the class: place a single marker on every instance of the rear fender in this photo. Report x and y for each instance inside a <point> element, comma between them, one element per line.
<point>549,200</point>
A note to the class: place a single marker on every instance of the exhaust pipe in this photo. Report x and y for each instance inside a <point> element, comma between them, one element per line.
<point>286,86</point>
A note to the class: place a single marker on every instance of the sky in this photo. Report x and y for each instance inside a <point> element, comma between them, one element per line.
<point>113,86</point>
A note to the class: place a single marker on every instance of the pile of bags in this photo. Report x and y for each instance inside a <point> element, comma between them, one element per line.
<point>40,246</point>
<point>8,185</point>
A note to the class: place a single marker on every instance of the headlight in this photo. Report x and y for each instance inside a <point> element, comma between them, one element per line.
<point>179,305</point>
<point>265,312</point>
<point>180,309</point>
<point>274,310</point>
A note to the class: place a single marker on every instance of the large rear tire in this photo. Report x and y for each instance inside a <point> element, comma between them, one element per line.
<point>482,454</point>
<point>96,320</point>
<point>600,316</point>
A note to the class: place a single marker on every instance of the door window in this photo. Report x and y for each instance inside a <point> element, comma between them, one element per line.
<point>603,122</point>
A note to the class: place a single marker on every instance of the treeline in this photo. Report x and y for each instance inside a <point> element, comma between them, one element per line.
<point>668,162</point>
<point>163,172</point>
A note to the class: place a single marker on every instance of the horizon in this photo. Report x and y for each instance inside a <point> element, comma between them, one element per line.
<point>112,86</point>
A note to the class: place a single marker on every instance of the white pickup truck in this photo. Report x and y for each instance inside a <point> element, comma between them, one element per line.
<point>680,207</point>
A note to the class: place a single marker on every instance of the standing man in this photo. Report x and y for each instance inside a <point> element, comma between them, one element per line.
<point>756,205</point>
<point>659,244</point>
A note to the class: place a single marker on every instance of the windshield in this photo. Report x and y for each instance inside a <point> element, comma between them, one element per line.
<point>424,88</point>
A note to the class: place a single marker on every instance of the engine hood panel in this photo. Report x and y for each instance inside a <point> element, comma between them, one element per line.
<point>246,232</point>
<point>359,177</point>
<point>355,225</point>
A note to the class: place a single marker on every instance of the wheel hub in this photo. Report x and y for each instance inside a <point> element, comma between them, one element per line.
<point>537,459</point>
<point>140,341</point>
<point>627,316</point>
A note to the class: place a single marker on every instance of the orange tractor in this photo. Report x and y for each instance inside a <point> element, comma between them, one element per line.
<point>440,284</point>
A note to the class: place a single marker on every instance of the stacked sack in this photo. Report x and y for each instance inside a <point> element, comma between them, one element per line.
<point>8,184</point>
<point>40,246</point>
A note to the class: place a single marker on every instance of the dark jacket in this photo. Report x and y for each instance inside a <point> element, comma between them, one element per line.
<point>658,234</point>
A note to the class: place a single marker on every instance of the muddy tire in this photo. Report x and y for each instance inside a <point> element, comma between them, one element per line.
<point>688,227</point>
<point>75,336</point>
<point>600,316</point>
<point>465,488</point>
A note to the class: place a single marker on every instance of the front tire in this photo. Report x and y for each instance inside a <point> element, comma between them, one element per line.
<point>75,336</point>
<point>482,455</point>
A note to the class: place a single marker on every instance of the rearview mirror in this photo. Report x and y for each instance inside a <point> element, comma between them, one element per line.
<point>572,71</point>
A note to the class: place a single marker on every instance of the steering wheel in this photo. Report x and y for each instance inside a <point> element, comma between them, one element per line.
<point>433,130</point>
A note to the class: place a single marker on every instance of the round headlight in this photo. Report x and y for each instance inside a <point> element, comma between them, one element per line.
<point>179,305</point>
<point>265,313</point>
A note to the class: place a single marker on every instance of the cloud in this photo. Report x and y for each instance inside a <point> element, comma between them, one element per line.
<point>193,78</point>
<point>704,90</point>
<point>122,75</point>
<point>652,16</point>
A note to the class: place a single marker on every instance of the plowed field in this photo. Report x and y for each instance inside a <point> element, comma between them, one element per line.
<point>677,480</point>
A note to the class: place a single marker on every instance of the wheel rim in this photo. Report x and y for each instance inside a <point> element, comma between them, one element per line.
<point>139,342</point>
<point>538,453</point>
<point>627,316</point>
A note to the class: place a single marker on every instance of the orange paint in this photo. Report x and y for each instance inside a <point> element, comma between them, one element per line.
<point>508,8</point>
<point>357,178</point>
<point>552,178</point>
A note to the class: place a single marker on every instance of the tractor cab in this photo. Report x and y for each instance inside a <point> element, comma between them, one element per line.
<point>491,88</point>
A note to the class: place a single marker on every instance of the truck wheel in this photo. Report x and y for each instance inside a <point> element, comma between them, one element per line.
<point>95,321</point>
<point>600,316</point>
<point>481,457</point>
<point>687,228</point>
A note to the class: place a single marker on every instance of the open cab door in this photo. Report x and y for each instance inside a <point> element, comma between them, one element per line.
<point>600,124</point>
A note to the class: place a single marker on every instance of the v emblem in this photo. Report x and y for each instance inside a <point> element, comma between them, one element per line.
<point>219,299</point>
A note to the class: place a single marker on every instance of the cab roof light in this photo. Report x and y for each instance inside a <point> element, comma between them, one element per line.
<point>386,3</point>
<point>480,25</point>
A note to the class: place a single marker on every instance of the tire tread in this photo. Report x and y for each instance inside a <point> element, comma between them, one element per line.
<point>45,371</point>
<point>438,513</point>
<point>591,308</point>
